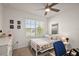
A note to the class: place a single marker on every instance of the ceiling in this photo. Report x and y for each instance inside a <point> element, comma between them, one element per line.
<point>35,8</point>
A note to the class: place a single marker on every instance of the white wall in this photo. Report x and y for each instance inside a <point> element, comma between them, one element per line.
<point>68,21</point>
<point>0,16</point>
<point>18,34</point>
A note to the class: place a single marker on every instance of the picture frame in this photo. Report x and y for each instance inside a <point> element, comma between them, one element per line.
<point>18,22</point>
<point>18,27</point>
<point>54,29</point>
<point>11,21</point>
<point>11,26</point>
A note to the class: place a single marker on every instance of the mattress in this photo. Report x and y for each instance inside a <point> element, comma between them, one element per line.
<point>40,43</point>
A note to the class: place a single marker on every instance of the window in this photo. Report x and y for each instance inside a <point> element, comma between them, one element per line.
<point>34,28</point>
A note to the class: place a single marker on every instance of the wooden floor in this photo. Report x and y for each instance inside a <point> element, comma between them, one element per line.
<point>22,52</point>
<point>27,52</point>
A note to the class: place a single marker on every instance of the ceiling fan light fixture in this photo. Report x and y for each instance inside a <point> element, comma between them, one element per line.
<point>47,9</point>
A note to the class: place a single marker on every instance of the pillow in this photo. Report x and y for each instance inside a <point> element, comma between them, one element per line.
<point>53,37</point>
<point>55,40</point>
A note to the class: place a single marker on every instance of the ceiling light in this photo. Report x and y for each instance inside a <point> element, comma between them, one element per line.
<point>47,9</point>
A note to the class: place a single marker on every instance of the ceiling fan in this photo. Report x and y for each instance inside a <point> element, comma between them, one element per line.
<point>49,8</point>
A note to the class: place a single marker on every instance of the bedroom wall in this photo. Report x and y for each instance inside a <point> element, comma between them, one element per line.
<point>68,21</point>
<point>1,16</point>
<point>19,35</point>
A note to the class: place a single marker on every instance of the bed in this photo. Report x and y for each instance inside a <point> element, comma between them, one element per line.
<point>41,44</point>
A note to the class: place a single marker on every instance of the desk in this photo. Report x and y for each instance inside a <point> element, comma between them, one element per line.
<point>73,52</point>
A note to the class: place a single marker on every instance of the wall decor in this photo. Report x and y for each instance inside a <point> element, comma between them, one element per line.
<point>18,22</point>
<point>54,29</point>
<point>11,21</point>
<point>18,27</point>
<point>11,26</point>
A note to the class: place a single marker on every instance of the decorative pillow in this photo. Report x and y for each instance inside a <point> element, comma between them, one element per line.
<point>53,37</point>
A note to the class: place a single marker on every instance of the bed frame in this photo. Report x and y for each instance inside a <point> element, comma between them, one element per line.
<point>35,47</point>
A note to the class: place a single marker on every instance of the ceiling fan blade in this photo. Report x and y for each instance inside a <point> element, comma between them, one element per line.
<point>53,9</point>
<point>46,6</point>
<point>45,13</point>
<point>53,4</point>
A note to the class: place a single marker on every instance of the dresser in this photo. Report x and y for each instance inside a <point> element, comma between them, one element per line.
<point>6,46</point>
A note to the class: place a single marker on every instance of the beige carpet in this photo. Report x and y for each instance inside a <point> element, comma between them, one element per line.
<point>22,52</point>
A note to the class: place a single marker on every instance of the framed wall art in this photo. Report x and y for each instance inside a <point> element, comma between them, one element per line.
<point>18,27</point>
<point>11,21</point>
<point>54,29</point>
<point>18,22</point>
<point>11,26</point>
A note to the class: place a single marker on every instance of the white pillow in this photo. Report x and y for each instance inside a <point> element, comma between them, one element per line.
<point>55,40</point>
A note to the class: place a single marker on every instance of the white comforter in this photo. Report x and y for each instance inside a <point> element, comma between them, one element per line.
<point>41,43</point>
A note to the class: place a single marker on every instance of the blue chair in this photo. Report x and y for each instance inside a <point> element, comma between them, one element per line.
<point>59,48</point>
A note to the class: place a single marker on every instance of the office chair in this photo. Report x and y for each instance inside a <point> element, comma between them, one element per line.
<point>59,48</point>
